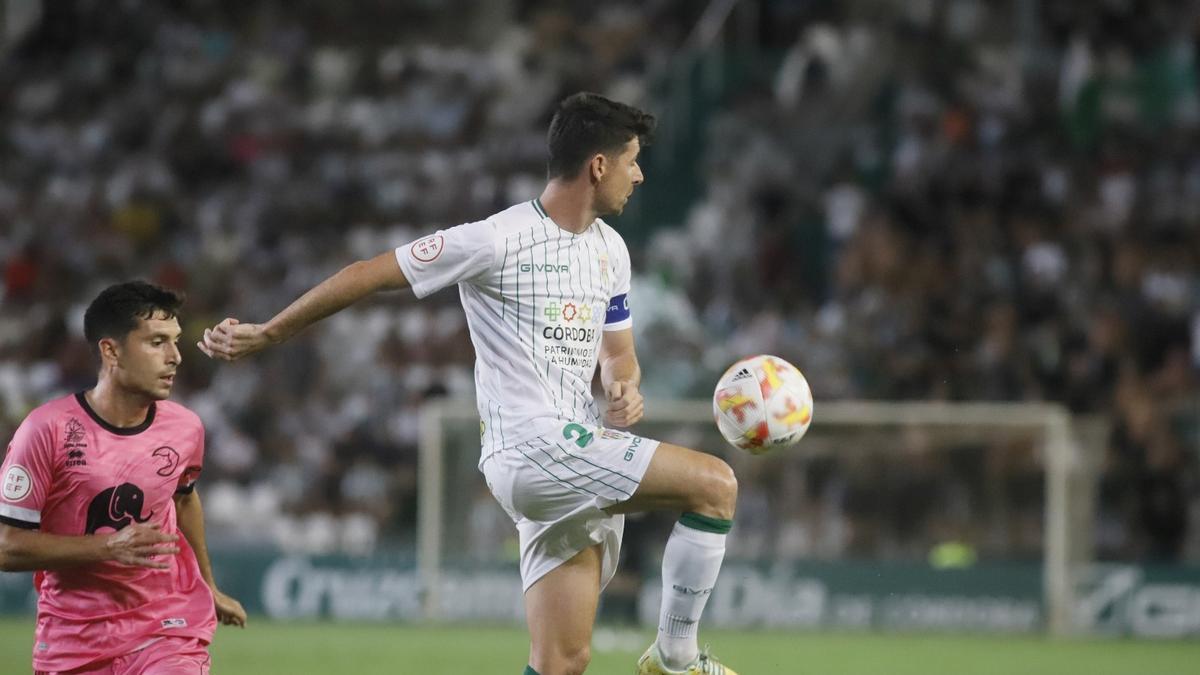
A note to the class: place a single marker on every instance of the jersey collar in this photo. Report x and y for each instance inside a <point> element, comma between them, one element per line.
<point>120,431</point>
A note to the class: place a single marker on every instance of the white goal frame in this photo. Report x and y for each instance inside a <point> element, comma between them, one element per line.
<point>1064,552</point>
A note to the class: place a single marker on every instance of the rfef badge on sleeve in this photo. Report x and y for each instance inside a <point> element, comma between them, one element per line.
<point>428,249</point>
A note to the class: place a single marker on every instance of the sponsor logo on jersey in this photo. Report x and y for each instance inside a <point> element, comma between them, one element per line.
<point>569,333</point>
<point>631,451</point>
<point>174,623</point>
<point>17,483</point>
<point>544,267</point>
<point>116,507</point>
<point>575,321</point>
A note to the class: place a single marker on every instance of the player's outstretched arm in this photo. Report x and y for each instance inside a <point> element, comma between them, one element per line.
<point>232,339</point>
<point>622,377</point>
<point>190,515</point>
<point>140,545</point>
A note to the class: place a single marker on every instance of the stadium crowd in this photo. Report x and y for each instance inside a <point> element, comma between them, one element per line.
<point>923,200</point>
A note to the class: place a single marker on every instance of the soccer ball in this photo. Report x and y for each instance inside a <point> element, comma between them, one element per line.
<point>761,403</point>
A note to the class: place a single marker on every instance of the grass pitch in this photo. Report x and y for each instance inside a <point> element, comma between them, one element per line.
<point>267,648</point>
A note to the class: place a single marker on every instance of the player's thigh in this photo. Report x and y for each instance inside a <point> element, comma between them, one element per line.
<point>560,608</point>
<point>680,479</point>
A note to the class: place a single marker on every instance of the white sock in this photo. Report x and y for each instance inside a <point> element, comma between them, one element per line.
<point>691,562</point>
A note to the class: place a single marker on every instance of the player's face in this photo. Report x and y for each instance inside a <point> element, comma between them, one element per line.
<point>617,184</point>
<point>148,357</point>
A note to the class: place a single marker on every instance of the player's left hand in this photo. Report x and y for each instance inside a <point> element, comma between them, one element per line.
<point>229,610</point>
<point>625,404</point>
<point>231,339</point>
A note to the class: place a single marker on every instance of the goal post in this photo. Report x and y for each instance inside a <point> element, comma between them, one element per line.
<point>449,445</point>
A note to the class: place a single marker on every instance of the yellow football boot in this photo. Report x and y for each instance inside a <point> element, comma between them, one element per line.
<point>705,664</point>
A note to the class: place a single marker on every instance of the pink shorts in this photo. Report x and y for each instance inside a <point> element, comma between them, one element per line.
<point>164,656</point>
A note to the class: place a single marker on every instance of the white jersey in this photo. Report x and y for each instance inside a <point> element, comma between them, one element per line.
<point>538,299</point>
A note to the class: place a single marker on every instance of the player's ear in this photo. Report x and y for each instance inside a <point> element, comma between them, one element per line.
<point>110,350</point>
<point>597,166</point>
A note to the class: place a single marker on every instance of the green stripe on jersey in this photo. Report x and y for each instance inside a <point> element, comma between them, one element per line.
<point>537,206</point>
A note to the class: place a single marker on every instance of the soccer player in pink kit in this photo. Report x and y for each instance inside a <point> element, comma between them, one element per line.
<point>97,487</point>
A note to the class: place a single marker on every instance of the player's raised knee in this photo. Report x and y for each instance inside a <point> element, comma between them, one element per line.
<point>727,488</point>
<point>715,493</point>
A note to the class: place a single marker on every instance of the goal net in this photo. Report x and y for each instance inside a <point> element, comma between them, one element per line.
<point>886,515</point>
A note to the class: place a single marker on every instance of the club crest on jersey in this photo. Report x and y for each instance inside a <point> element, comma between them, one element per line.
<point>74,435</point>
<point>428,249</point>
<point>169,460</point>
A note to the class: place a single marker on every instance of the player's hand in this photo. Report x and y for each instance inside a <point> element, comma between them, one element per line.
<point>142,545</point>
<point>229,610</point>
<point>625,404</point>
<point>231,339</point>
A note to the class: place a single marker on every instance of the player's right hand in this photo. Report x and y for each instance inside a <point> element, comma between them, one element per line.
<point>142,545</point>
<point>231,340</point>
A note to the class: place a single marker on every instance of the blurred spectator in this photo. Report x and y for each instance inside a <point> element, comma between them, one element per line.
<point>953,201</point>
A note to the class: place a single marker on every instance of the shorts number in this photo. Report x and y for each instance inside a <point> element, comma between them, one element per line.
<point>577,433</point>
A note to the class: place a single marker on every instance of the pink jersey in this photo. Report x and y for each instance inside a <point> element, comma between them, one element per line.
<point>67,471</point>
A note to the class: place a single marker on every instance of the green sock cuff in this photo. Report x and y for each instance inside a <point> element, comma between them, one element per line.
<point>706,523</point>
<point>529,671</point>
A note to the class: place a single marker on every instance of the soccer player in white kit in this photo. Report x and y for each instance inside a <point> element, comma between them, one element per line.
<point>545,287</point>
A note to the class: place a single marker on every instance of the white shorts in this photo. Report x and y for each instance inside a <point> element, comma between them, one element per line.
<point>556,486</point>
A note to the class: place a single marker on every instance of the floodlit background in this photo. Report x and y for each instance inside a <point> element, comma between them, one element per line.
<point>916,202</point>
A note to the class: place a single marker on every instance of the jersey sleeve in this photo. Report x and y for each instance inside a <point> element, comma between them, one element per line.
<point>448,257</point>
<point>27,473</point>
<point>193,467</point>
<point>618,316</point>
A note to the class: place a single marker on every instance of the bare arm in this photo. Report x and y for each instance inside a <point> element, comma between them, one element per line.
<point>621,376</point>
<point>231,339</point>
<point>190,515</point>
<point>140,545</point>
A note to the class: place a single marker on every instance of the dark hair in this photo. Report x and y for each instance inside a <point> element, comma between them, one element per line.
<point>118,308</point>
<point>586,124</point>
